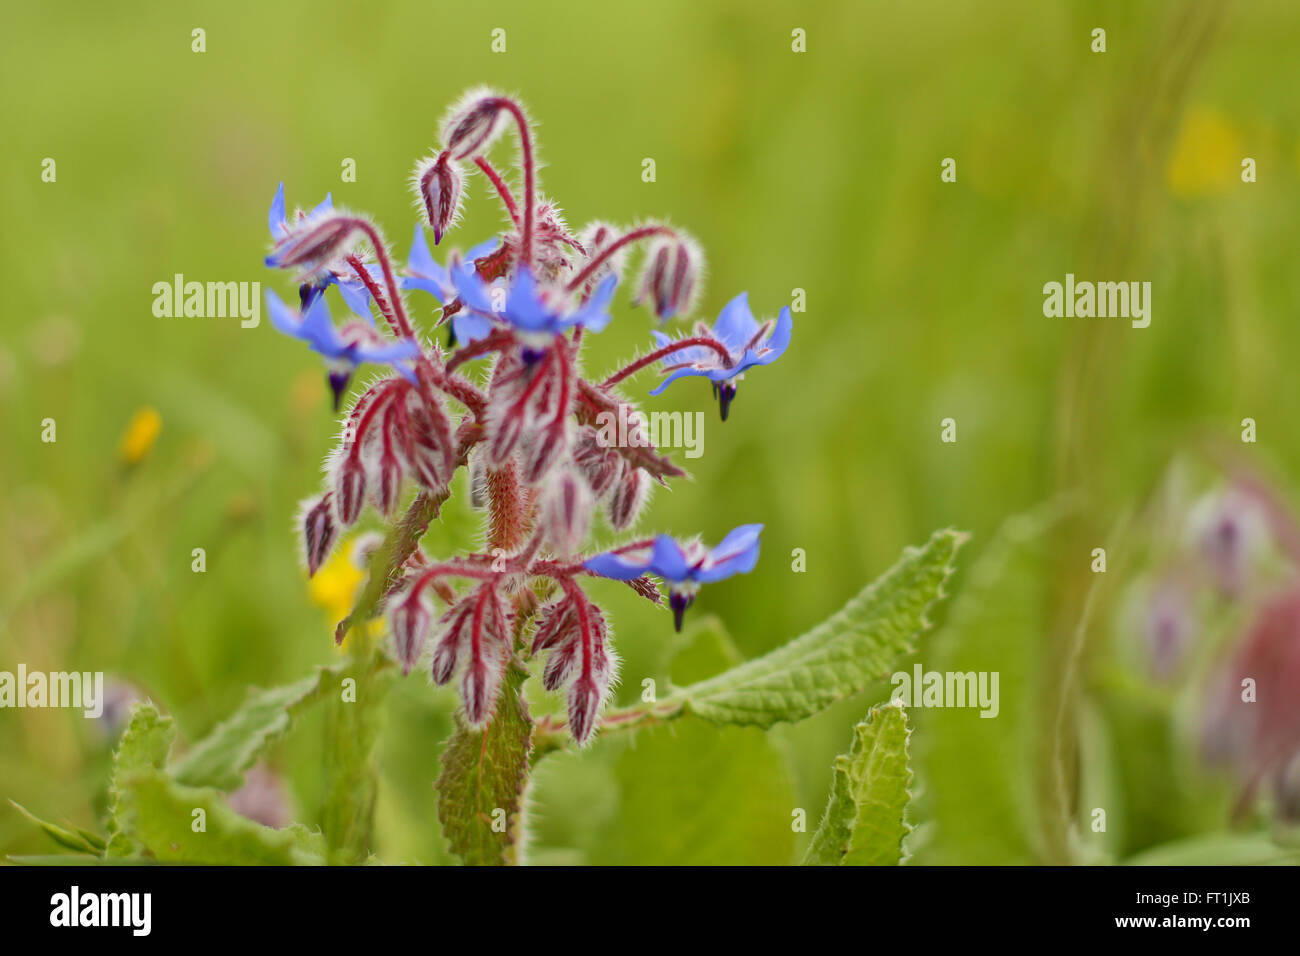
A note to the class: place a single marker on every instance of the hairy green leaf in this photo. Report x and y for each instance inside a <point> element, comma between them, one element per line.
<point>863,824</point>
<point>480,790</point>
<point>234,745</point>
<point>842,656</point>
<point>143,748</point>
<point>178,824</point>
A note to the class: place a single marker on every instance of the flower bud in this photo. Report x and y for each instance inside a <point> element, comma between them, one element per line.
<point>600,466</point>
<point>428,443</point>
<point>671,275</point>
<point>629,498</point>
<point>545,448</point>
<point>349,488</point>
<point>561,665</point>
<point>409,619</point>
<point>565,512</point>
<point>439,184</point>
<point>319,532</point>
<point>585,698</point>
<point>387,481</point>
<point>556,623</point>
<point>314,243</point>
<point>473,127</point>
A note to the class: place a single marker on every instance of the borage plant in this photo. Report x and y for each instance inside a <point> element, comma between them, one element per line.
<point>508,400</point>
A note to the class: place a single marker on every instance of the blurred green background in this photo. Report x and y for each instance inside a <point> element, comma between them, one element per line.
<point>816,170</point>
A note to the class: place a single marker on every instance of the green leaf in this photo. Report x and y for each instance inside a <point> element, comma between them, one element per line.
<point>978,774</point>
<point>693,793</point>
<point>480,790</point>
<point>840,657</point>
<point>352,725</point>
<point>77,840</point>
<point>696,794</point>
<point>234,745</point>
<point>1218,849</point>
<point>161,816</point>
<point>143,748</point>
<point>863,824</point>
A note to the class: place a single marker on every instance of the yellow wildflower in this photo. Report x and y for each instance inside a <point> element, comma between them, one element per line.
<point>1206,157</point>
<point>141,433</point>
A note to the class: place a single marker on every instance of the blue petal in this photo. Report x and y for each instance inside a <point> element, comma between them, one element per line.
<point>357,297</point>
<point>318,328</point>
<point>618,567</point>
<point>737,553</point>
<point>326,204</point>
<point>668,561</point>
<point>680,373</point>
<point>432,286</point>
<point>524,307</point>
<point>283,317</point>
<point>736,325</point>
<point>421,262</point>
<point>470,327</point>
<point>779,340</point>
<point>388,353</point>
<point>275,218</point>
<point>594,316</point>
<point>472,290</point>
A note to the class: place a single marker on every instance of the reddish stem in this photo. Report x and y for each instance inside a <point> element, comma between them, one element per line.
<point>502,189</point>
<point>530,180</point>
<point>669,349</point>
<point>627,239</point>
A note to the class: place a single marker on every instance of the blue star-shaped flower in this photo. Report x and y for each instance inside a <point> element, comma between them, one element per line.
<point>684,567</point>
<point>350,286</point>
<point>748,342</point>
<point>345,351</point>
<point>423,272</point>
<point>526,306</point>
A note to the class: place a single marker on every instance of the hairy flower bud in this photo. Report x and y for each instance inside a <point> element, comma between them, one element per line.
<point>314,243</point>
<point>349,488</point>
<point>319,531</point>
<point>601,466</point>
<point>545,447</point>
<point>565,512</point>
<point>409,619</point>
<point>629,498</point>
<point>574,631</point>
<point>585,698</point>
<point>671,275</point>
<point>439,184</point>
<point>473,126</point>
<point>387,484</point>
<point>474,634</point>
<point>427,442</point>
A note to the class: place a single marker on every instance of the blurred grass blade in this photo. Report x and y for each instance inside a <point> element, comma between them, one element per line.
<point>76,840</point>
